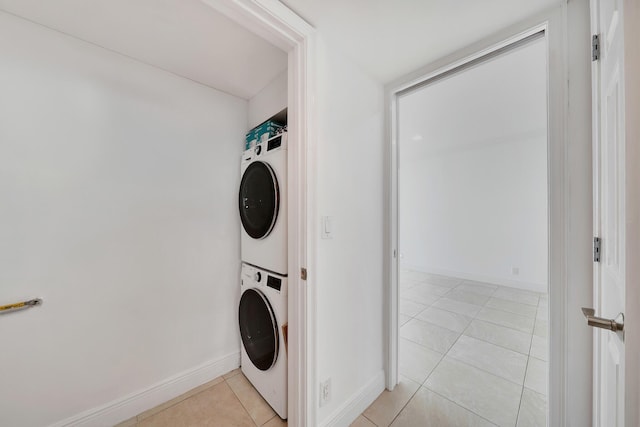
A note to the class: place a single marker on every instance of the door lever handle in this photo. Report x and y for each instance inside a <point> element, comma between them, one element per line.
<point>615,325</point>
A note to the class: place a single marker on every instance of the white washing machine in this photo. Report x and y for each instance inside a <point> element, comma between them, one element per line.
<point>262,315</point>
<point>263,205</point>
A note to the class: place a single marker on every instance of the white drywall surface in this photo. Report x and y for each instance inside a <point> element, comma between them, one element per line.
<point>270,100</point>
<point>473,172</point>
<point>117,207</point>
<point>350,181</point>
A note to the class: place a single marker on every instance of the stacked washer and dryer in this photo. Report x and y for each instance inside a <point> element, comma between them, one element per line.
<point>263,302</point>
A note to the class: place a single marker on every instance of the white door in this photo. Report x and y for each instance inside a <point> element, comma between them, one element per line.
<point>609,210</point>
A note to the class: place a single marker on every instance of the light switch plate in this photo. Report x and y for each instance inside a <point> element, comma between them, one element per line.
<point>327,227</point>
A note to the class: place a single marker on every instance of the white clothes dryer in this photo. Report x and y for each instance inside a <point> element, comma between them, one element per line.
<point>262,203</point>
<point>262,315</point>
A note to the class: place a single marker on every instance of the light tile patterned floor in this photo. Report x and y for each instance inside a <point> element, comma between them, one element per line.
<point>471,354</point>
<point>227,401</point>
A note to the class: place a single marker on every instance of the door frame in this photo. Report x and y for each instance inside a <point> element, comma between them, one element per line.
<point>277,24</point>
<point>552,22</point>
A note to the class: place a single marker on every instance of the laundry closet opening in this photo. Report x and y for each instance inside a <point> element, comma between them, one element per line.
<point>122,133</point>
<point>473,238</point>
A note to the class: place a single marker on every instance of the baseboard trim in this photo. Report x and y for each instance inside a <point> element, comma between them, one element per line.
<point>527,286</point>
<point>133,404</point>
<point>352,408</point>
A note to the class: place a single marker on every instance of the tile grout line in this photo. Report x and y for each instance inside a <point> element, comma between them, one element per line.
<point>436,367</point>
<point>369,419</point>
<point>474,317</point>
<point>463,407</point>
<point>525,378</point>
<point>445,355</point>
<point>137,417</point>
<point>266,422</point>
<point>411,398</point>
<point>239,400</point>
<point>466,328</point>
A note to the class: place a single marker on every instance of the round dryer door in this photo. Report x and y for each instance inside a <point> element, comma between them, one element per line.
<point>259,200</point>
<point>258,329</point>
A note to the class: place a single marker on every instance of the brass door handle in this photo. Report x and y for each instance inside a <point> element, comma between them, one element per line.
<point>615,325</point>
<point>19,305</point>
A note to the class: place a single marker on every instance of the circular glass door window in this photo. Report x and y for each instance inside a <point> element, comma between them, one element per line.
<point>258,329</point>
<point>259,200</point>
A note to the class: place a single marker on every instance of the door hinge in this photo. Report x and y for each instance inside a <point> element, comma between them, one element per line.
<point>595,47</point>
<point>597,247</point>
<point>303,273</point>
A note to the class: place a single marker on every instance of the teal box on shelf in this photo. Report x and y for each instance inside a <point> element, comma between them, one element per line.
<point>263,131</point>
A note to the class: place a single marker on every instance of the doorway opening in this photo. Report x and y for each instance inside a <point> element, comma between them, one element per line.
<point>473,221</point>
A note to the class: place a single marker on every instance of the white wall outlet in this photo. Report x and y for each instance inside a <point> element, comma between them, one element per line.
<point>515,271</point>
<point>325,392</point>
<point>327,227</point>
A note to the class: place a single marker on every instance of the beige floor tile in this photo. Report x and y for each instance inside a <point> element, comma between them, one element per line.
<point>389,404</point>
<point>500,335</point>
<point>537,375</point>
<point>544,302</point>
<point>517,295</point>
<point>410,308</point>
<point>543,313</point>
<point>232,373</point>
<point>491,397</point>
<point>446,319</point>
<point>416,276</point>
<point>179,399</point>
<point>540,348</point>
<point>541,329</point>
<point>416,361</point>
<point>362,422</point>
<point>217,406</point>
<point>438,290</point>
<point>494,359</point>
<point>131,422</point>
<point>253,402</point>
<point>511,307</point>
<point>457,306</point>
<point>510,320</point>
<point>402,319</point>
<point>429,335</point>
<point>275,422</point>
<point>420,295</point>
<point>480,288</point>
<point>468,297</point>
<point>427,408</point>
<point>406,283</point>
<point>533,409</point>
<point>436,279</point>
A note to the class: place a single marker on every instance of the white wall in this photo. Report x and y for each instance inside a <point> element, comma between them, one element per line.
<point>473,172</point>
<point>349,267</point>
<point>270,100</point>
<point>118,208</point>
<point>477,213</point>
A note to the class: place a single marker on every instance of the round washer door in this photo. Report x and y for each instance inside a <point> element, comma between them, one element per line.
<point>258,329</point>
<point>259,200</point>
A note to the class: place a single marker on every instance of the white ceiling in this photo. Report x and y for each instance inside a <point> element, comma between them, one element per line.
<point>499,101</point>
<point>386,38</point>
<point>185,37</point>
<point>391,38</point>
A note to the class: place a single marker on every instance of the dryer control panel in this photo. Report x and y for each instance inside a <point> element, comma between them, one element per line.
<point>275,143</point>
<point>253,276</point>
